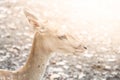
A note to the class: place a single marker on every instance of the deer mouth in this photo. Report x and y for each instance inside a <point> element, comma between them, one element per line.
<point>80,49</point>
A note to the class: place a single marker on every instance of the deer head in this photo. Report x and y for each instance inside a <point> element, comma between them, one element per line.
<point>50,37</point>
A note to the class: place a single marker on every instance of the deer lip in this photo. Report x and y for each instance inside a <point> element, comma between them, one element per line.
<point>79,49</point>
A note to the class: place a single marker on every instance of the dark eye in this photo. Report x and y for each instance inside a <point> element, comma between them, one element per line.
<point>85,47</point>
<point>62,37</point>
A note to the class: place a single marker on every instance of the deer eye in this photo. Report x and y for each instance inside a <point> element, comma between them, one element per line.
<point>42,29</point>
<point>62,37</point>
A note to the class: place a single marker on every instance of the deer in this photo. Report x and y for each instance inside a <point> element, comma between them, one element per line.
<point>45,42</point>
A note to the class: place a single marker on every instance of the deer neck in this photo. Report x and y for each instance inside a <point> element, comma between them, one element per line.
<point>36,63</point>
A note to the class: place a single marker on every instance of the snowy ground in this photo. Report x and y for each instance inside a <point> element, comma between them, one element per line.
<point>100,62</point>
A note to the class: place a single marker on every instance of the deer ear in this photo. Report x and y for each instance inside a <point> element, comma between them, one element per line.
<point>32,19</point>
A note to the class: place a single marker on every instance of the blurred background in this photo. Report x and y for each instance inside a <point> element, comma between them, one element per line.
<point>95,22</point>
